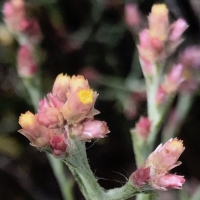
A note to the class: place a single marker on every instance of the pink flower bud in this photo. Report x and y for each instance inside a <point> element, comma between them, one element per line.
<point>14,12</point>
<point>50,118</point>
<point>38,135</point>
<point>61,87</point>
<point>142,128</point>
<point>79,106</point>
<point>43,104</point>
<point>174,79</point>
<point>26,64</point>
<point>140,177</point>
<point>177,29</point>
<point>165,156</point>
<point>49,114</point>
<point>159,162</point>
<point>168,181</point>
<point>59,145</point>
<point>91,129</point>
<point>55,101</point>
<point>77,83</point>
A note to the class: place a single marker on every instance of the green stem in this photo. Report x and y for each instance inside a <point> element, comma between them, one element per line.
<point>79,166</point>
<point>124,192</point>
<point>173,126</point>
<point>65,184</point>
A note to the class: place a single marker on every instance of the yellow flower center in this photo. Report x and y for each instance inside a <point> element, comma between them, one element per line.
<point>27,119</point>
<point>178,144</point>
<point>85,96</point>
<point>159,9</point>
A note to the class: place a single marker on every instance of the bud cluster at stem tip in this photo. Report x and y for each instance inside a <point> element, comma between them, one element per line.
<point>66,112</point>
<point>155,169</point>
<point>160,39</point>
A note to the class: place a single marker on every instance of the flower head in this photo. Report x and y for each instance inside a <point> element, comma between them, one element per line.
<point>67,111</point>
<point>156,167</point>
<point>37,134</point>
<point>79,106</point>
<point>61,86</point>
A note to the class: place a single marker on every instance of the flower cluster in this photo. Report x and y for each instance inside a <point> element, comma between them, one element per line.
<point>67,112</point>
<point>28,34</point>
<point>156,167</point>
<point>17,22</point>
<point>160,39</point>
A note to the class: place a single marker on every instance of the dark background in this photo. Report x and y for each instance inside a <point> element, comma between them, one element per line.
<point>25,173</point>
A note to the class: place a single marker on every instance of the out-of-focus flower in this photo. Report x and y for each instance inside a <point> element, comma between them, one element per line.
<point>17,22</point>
<point>163,159</point>
<point>132,15</point>
<point>90,73</point>
<point>190,60</point>
<point>133,103</point>
<point>91,129</point>
<point>142,128</point>
<point>177,29</point>
<point>32,29</point>
<point>159,40</point>
<point>190,57</point>
<point>159,22</point>
<point>174,79</point>
<point>26,64</point>
<point>14,12</point>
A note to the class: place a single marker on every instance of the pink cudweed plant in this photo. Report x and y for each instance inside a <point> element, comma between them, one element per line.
<point>156,167</point>
<point>68,111</point>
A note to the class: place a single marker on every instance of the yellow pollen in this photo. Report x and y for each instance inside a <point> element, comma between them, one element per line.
<point>159,9</point>
<point>177,144</point>
<point>85,96</point>
<point>27,119</point>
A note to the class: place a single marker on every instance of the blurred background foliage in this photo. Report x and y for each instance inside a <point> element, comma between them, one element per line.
<point>88,37</point>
